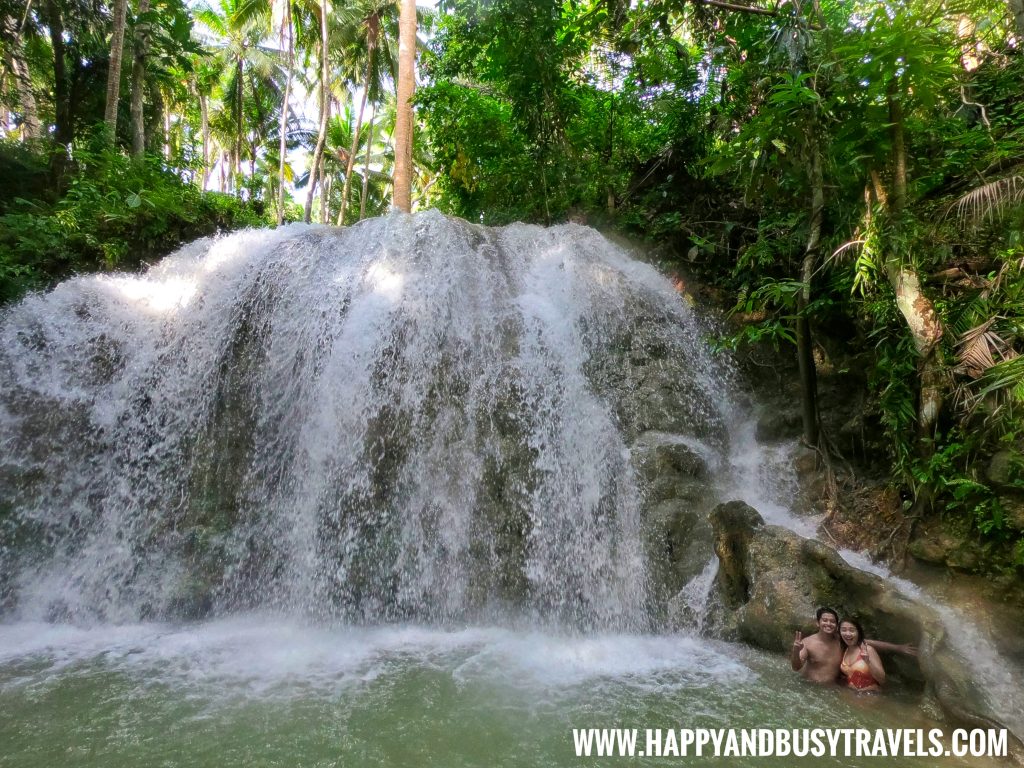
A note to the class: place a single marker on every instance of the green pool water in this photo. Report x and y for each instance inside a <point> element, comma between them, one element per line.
<point>261,691</point>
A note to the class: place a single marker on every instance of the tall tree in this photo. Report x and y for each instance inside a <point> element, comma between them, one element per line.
<point>325,112</point>
<point>1017,13</point>
<point>404,118</point>
<point>371,16</point>
<point>13,30</point>
<point>139,53</point>
<point>114,72</point>
<point>287,39</point>
<point>64,127</point>
<point>240,27</point>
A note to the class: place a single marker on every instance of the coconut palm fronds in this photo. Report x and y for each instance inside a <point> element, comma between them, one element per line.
<point>991,201</point>
<point>1006,376</point>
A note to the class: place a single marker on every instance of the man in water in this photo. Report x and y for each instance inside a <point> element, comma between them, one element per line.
<point>818,657</point>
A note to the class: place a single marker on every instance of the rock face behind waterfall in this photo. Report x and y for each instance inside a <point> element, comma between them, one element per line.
<point>412,418</point>
<point>771,581</point>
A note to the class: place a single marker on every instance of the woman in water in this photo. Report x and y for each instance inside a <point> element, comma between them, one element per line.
<point>861,668</point>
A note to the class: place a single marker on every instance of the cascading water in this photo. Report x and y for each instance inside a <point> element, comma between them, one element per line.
<point>427,485</point>
<point>414,418</point>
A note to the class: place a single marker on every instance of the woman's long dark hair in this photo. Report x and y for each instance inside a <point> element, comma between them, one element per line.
<point>860,631</point>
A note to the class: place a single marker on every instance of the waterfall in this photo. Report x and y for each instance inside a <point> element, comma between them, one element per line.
<point>413,418</point>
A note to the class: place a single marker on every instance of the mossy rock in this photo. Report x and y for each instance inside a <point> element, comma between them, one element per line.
<point>948,542</point>
<point>771,581</point>
<point>679,543</point>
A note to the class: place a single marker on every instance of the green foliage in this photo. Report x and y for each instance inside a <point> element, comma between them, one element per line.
<point>116,213</point>
<point>950,469</point>
<point>529,120</point>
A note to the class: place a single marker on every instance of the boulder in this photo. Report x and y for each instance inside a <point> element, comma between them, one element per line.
<point>657,455</point>
<point>770,582</point>
<point>1013,506</point>
<point>1004,468</point>
<point>676,500</point>
<point>678,543</point>
<point>945,542</point>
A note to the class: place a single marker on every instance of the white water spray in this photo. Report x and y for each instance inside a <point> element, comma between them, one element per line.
<point>413,418</point>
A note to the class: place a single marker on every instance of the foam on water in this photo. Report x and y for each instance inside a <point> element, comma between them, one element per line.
<point>270,656</point>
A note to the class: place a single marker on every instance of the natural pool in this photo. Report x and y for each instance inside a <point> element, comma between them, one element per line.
<point>263,691</point>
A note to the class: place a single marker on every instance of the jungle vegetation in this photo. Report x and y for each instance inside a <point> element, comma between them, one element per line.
<point>842,172</point>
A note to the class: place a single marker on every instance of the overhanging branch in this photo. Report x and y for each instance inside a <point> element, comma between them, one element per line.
<point>739,8</point>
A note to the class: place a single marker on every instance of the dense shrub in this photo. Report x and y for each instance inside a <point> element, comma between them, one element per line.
<point>114,212</point>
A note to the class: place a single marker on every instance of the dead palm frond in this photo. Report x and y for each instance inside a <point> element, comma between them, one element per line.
<point>991,201</point>
<point>999,388</point>
<point>978,348</point>
<point>855,243</point>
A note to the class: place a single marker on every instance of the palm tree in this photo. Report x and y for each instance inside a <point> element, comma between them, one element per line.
<point>403,122</point>
<point>325,108</point>
<point>240,27</point>
<point>287,38</point>
<point>138,127</point>
<point>114,72</point>
<point>375,25</point>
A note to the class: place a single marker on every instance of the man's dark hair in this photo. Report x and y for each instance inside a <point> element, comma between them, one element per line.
<point>823,610</point>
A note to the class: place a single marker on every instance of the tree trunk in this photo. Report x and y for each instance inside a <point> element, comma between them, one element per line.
<point>239,96</point>
<point>138,118</point>
<point>404,117</point>
<point>286,29</point>
<point>366,167</point>
<point>350,164</point>
<point>30,125</point>
<point>898,200</point>
<point>14,61</point>
<point>371,40</point>
<point>204,116</point>
<point>152,141</point>
<point>1017,12</point>
<point>63,127</point>
<point>916,308</point>
<point>114,72</point>
<point>167,135</point>
<point>326,186</point>
<point>804,338</point>
<point>325,112</point>
<point>926,332</point>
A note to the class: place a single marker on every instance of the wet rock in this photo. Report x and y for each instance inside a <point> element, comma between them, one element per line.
<point>194,600</point>
<point>657,455</point>
<point>771,581</point>
<point>777,426</point>
<point>807,464</point>
<point>733,550</point>
<point>677,495</point>
<point>679,542</point>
